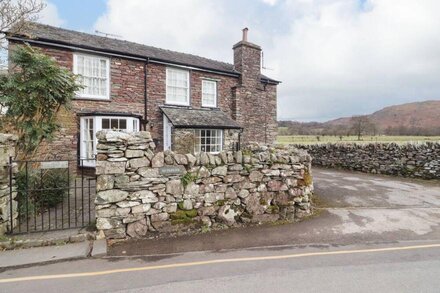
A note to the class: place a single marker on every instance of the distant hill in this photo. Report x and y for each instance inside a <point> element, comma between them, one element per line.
<point>418,118</point>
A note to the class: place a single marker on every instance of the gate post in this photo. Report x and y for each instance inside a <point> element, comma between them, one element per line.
<point>8,190</point>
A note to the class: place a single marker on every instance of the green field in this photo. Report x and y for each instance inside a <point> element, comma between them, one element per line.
<point>313,139</point>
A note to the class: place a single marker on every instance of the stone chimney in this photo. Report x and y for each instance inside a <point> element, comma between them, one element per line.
<point>247,60</point>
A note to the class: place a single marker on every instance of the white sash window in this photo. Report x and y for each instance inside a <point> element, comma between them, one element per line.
<point>90,125</point>
<point>177,87</point>
<point>209,93</point>
<point>94,76</point>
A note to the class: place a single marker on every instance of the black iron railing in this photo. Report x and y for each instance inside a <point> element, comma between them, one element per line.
<point>51,195</point>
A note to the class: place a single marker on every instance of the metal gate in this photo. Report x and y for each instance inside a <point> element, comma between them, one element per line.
<point>51,195</point>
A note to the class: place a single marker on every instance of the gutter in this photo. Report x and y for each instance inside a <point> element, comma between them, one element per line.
<point>145,122</point>
<point>206,126</point>
<point>100,113</point>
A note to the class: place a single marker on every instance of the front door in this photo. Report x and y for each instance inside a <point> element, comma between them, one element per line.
<point>166,133</point>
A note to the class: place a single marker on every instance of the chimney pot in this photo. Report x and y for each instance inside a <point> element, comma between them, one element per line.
<point>245,34</point>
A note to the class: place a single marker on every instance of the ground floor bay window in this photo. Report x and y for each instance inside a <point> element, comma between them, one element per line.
<point>89,125</point>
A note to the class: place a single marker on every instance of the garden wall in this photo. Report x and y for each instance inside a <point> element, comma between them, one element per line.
<point>408,160</point>
<point>7,149</point>
<point>142,192</point>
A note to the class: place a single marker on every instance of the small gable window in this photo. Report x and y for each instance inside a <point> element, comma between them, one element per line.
<point>209,93</point>
<point>94,76</point>
<point>177,92</point>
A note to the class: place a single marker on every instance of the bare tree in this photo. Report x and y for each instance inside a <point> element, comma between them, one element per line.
<point>14,15</point>
<point>360,125</point>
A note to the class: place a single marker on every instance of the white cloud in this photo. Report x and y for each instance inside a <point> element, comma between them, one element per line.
<point>335,57</point>
<point>270,2</point>
<point>192,26</point>
<point>348,60</point>
<point>49,15</point>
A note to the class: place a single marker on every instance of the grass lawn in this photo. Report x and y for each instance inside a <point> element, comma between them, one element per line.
<point>313,139</point>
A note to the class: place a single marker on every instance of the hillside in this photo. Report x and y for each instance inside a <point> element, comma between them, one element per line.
<point>412,115</point>
<point>418,118</point>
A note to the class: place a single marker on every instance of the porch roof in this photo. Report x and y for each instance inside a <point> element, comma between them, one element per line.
<point>199,118</point>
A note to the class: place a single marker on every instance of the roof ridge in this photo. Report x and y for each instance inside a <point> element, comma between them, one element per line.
<point>128,42</point>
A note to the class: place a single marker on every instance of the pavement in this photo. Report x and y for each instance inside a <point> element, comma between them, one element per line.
<point>370,233</point>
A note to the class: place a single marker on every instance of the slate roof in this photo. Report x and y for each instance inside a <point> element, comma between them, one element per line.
<point>46,33</point>
<point>199,118</point>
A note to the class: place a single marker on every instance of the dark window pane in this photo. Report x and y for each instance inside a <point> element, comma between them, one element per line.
<point>123,124</point>
<point>114,123</point>
<point>105,124</point>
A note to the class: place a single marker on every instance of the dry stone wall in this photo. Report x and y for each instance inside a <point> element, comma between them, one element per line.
<point>7,149</point>
<point>408,160</point>
<point>142,192</point>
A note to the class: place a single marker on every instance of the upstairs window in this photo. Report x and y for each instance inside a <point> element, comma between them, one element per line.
<point>177,87</point>
<point>94,76</point>
<point>209,93</point>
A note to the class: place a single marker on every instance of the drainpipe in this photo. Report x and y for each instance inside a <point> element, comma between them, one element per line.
<point>265,114</point>
<point>145,122</point>
<point>239,139</point>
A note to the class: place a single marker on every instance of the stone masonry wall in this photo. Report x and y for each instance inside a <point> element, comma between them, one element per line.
<point>408,160</point>
<point>7,149</point>
<point>142,193</point>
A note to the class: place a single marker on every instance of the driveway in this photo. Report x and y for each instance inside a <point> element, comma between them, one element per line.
<point>351,208</point>
<point>378,207</point>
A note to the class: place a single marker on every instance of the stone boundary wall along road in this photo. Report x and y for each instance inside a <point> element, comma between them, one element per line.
<point>408,160</point>
<point>7,149</point>
<point>143,193</point>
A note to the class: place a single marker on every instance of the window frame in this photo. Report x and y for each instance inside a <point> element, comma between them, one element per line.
<point>188,95</point>
<point>215,93</point>
<point>97,126</point>
<point>108,84</point>
<point>198,144</point>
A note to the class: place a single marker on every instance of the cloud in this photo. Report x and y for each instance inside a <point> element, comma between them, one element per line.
<point>193,26</point>
<point>335,57</point>
<point>270,2</point>
<point>348,60</point>
<point>49,15</point>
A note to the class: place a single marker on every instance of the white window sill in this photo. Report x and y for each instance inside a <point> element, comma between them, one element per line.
<point>176,104</point>
<point>92,98</point>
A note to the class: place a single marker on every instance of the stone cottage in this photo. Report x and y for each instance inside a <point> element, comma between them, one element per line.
<point>188,103</point>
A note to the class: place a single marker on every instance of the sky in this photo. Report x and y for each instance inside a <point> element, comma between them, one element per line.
<point>334,57</point>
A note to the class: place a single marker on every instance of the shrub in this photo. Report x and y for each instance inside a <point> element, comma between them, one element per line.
<point>45,189</point>
<point>188,178</point>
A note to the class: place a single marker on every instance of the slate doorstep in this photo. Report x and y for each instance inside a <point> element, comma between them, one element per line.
<point>49,254</point>
<point>22,242</point>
